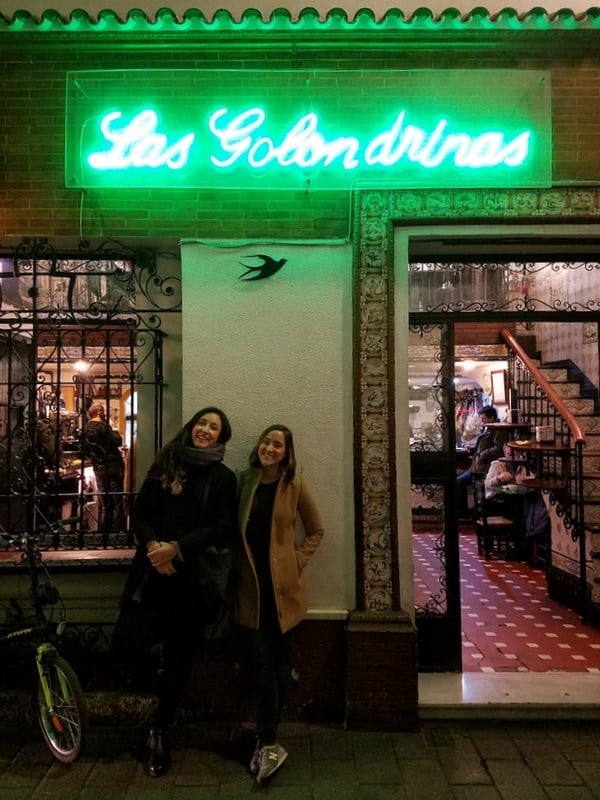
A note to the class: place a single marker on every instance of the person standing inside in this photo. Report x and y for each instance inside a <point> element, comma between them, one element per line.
<point>272,593</point>
<point>488,447</point>
<point>102,446</point>
<point>186,504</point>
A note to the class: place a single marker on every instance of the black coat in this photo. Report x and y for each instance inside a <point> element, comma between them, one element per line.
<point>488,447</point>
<point>101,444</point>
<point>204,514</point>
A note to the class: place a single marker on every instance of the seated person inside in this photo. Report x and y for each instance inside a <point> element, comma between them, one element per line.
<point>501,474</point>
<point>488,447</point>
<point>505,495</point>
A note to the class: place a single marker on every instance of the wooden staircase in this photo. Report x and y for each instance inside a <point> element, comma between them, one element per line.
<point>560,396</point>
<point>582,400</point>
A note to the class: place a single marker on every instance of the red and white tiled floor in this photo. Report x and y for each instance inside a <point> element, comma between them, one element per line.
<point>509,623</point>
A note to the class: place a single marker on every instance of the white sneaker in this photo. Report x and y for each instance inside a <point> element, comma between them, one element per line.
<point>272,757</point>
<point>255,760</point>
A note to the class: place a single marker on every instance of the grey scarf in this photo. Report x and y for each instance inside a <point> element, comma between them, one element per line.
<point>194,457</point>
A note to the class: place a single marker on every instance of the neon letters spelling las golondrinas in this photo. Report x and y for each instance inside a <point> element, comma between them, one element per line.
<point>240,140</point>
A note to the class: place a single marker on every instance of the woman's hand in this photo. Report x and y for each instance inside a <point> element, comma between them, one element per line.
<point>168,569</point>
<point>161,556</point>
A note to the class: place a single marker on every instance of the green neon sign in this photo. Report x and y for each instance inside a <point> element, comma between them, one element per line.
<point>323,130</point>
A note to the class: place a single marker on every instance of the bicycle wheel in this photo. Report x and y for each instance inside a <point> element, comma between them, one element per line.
<point>64,722</point>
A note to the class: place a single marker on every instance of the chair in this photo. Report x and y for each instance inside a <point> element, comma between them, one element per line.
<point>496,532</point>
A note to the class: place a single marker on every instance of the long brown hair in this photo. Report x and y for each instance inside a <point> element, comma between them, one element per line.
<point>288,464</point>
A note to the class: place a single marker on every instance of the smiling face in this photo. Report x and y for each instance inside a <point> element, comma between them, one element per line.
<point>272,450</point>
<point>207,430</point>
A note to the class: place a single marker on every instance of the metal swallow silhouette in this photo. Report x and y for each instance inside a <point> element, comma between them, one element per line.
<point>268,267</point>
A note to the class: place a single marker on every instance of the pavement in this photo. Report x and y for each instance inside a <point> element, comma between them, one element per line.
<point>444,759</point>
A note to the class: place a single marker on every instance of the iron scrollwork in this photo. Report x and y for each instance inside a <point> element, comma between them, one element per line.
<point>101,307</point>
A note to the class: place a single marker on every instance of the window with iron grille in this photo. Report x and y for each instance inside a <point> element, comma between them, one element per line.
<point>79,331</point>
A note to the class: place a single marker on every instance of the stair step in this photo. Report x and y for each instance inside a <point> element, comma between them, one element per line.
<point>554,374</point>
<point>591,459</point>
<point>591,488</point>
<point>589,424</point>
<point>581,405</point>
<point>567,389</point>
<point>591,464</point>
<point>591,513</point>
<point>576,405</point>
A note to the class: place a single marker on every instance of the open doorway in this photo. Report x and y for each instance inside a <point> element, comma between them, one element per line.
<point>508,617</point>
<point>436,342</point>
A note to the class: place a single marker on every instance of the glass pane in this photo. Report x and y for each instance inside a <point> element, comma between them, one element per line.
<point>429,562</point>
<point>426,389</point>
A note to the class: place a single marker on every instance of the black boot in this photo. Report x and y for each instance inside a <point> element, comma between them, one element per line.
<point>158,757</point>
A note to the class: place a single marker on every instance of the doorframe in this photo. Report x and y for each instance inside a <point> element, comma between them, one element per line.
<point>442,628</point>
<point>385,222</point>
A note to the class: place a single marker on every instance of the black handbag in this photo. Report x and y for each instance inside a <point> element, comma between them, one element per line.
<point>216,580</point>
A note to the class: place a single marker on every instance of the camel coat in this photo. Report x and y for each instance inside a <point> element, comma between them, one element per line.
<point>288,559</point>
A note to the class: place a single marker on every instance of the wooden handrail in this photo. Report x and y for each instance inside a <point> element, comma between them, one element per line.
<point>556,400</point>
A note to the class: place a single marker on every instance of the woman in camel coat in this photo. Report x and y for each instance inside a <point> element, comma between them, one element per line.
<point>272,594</point>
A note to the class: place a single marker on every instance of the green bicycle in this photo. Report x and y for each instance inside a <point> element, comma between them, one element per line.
<point>57,700</point>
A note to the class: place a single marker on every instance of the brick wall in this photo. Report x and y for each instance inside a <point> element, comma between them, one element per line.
<point>381,673</point>
<point>218,687</point>
<point>34,201</point>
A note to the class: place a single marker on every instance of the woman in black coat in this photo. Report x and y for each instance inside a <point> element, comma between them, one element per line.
<point>186,504</point>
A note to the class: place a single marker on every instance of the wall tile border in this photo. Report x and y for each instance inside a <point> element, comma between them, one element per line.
<point>376,213</point>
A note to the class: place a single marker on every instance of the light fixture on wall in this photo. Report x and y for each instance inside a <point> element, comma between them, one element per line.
<point>467,364</point>
<point>81,380</point>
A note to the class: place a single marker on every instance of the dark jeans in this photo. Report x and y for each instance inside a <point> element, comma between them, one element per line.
<point>177,658</point>
<point>464,480</point>
<point>269,653</point>
<point>178,628</point>
<point>109,485</point>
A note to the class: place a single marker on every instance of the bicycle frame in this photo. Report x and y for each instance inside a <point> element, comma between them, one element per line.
<point>42,652</point>
<point>58,699</point>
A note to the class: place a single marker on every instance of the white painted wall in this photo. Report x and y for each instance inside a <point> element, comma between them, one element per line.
<point>280,350</point>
